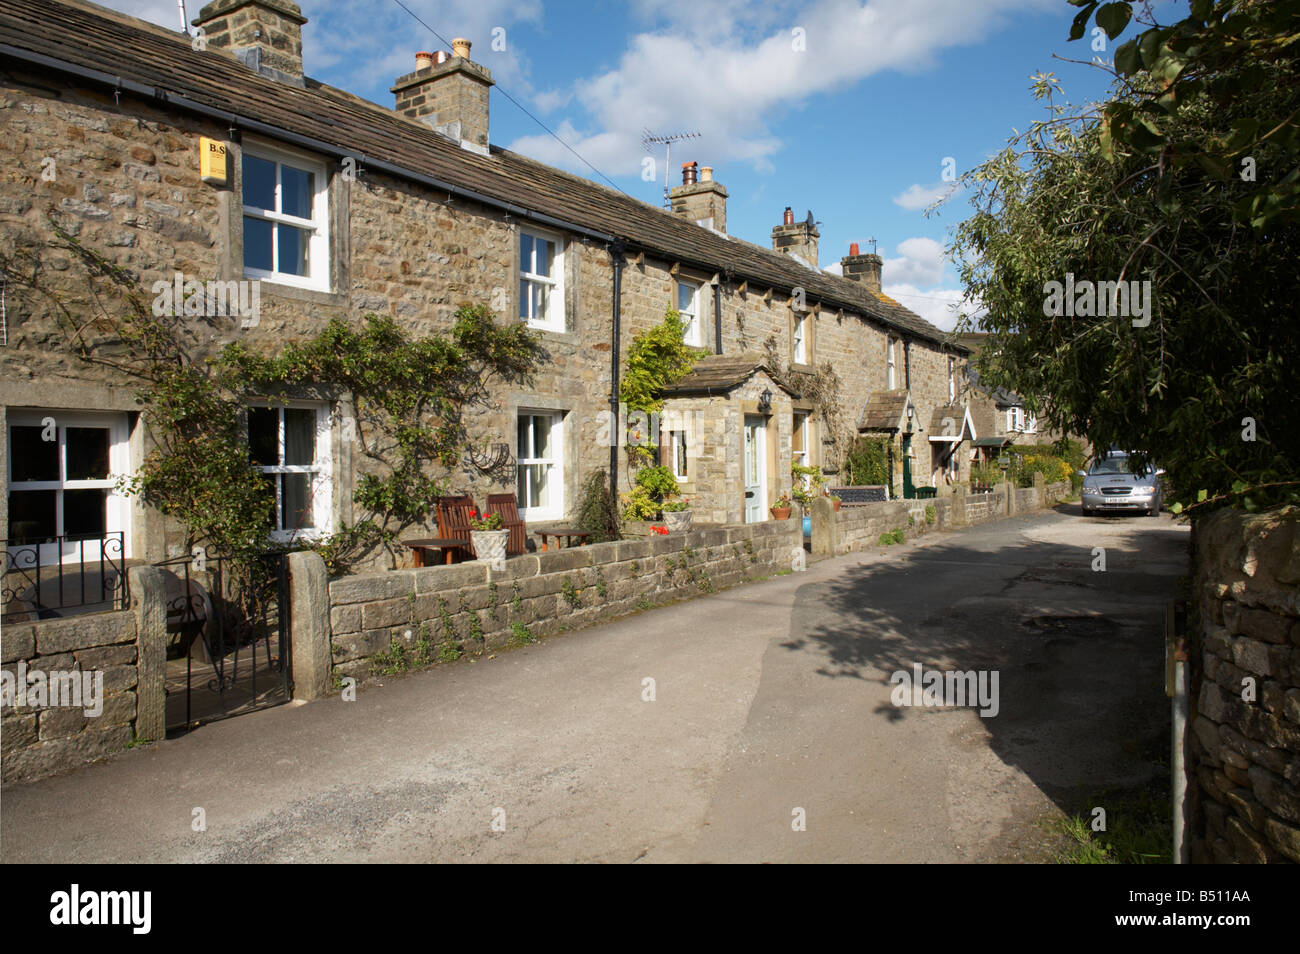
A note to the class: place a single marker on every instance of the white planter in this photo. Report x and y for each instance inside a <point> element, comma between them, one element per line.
<point>677,521</point>
<point>490,547</point>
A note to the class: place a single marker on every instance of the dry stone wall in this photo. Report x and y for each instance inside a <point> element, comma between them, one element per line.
<point>375,618</point>
<point>1243,740</point>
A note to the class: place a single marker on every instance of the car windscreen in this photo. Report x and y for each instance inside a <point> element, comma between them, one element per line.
<point>1114,465</point>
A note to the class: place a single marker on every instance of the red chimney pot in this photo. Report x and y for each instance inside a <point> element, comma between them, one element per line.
<point>853,248</point>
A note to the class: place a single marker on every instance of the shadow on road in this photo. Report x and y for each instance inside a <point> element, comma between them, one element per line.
<point>1079,653</point>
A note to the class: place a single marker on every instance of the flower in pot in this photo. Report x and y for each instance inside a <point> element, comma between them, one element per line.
<point>677,515</point>
<point>835,501</point>
<point>489,538</point>
<point>781,508</point>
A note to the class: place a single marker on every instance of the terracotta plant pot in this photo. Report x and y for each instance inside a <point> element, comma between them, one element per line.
<point>490,546</point>
<point>836,502</point>
<point>780,513</point>
<point>677,521</point>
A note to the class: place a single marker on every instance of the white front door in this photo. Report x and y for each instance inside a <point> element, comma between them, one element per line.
<point>755,495</point>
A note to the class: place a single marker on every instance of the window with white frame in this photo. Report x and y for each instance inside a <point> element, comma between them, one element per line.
<point>952,380</point>
<point>889,360</point>
<point>800,344</point>
<point>1018,420</point>
<point>61,481</point>
<point>541,281</point>
<point>286,227</point>
<point>799,441</point>
<point>540,482</point>
<point>290,445</point>
<point>677,443</point>
<point>688,306</point>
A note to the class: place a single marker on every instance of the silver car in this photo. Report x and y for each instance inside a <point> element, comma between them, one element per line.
<point>1111,486</point>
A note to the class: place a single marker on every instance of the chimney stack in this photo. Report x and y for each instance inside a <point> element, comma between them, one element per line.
<point>448,93</point>
<point>798,239</point>
<point>699,198</point>
<point>862,268</point>
<point>264,35</point>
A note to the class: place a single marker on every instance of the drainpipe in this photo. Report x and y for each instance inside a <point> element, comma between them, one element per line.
<point>907,363</point>
<point>616,256</point>
<point>717,317</point>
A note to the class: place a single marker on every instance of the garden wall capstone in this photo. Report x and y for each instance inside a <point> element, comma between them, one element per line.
<point>392,620</point>
<point>55,724</point>
<point>1243,742</point>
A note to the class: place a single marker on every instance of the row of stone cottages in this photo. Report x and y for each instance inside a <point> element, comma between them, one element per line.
<point>339,207</point>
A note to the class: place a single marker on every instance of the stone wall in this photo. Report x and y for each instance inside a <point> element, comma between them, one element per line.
<point>1243,740</point>
<point>859,526</point>
<point>127,647</point>
<point>473,608</point>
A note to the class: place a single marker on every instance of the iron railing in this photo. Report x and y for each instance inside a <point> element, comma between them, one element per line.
<point>40,582</point>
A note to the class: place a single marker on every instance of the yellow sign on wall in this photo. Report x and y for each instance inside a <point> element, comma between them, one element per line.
<point>212,161</point>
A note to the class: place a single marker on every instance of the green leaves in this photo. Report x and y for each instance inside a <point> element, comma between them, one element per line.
<point>1113,18</point>
<point>1155,187</point>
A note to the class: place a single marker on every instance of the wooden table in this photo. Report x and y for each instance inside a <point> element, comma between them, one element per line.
<point>569,533</point>
<point>448,546</point>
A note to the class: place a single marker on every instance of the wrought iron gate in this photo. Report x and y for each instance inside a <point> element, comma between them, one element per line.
<point>229,650</point>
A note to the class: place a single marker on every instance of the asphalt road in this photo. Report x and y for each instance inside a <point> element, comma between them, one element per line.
<point>772,704</point>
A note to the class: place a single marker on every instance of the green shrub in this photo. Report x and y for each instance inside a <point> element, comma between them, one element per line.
<point>659,482</point>
<point>931,515</point>
<point>597,511</point>
<point>867,461</point>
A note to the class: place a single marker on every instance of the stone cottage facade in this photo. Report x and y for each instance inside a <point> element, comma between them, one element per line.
<point>218,161</point>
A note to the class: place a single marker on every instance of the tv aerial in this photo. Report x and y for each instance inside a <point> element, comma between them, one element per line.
<point>649,139</point>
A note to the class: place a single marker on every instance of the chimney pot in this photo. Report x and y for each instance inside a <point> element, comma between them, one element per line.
<point>460,47</point>
<point>788,218</point>
<point>448,94</point>
<point>853,248</point>
<point>706,173</point>
<point>689,176</point>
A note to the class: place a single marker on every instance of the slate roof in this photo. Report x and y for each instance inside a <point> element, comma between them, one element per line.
<point>719,373</point>
<point>122,48</point>
<point>884,411</point>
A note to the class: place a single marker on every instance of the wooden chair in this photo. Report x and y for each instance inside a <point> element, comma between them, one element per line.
<point>453,521</point>
<point>506,506</point>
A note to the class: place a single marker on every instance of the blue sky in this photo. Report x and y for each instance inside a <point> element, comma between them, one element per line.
<point>844,107</point>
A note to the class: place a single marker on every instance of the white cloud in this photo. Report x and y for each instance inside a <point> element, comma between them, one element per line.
<point>939,306</point>
<point>365,50</point>
<point>714,71</point>
<point>921,262</point>
<point>917,196</point>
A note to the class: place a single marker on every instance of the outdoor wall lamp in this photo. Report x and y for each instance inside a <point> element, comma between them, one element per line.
<point>765,401</point>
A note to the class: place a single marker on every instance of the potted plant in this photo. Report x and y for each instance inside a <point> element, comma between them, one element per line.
<point>781,509</point>
<point>835,501</point>
<point>677,515</point>
<point>485,530</point>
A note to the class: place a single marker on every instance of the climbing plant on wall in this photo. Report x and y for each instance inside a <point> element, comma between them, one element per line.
<point>656,359</point>
<point>412,397</point>
<point>821,386</point>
